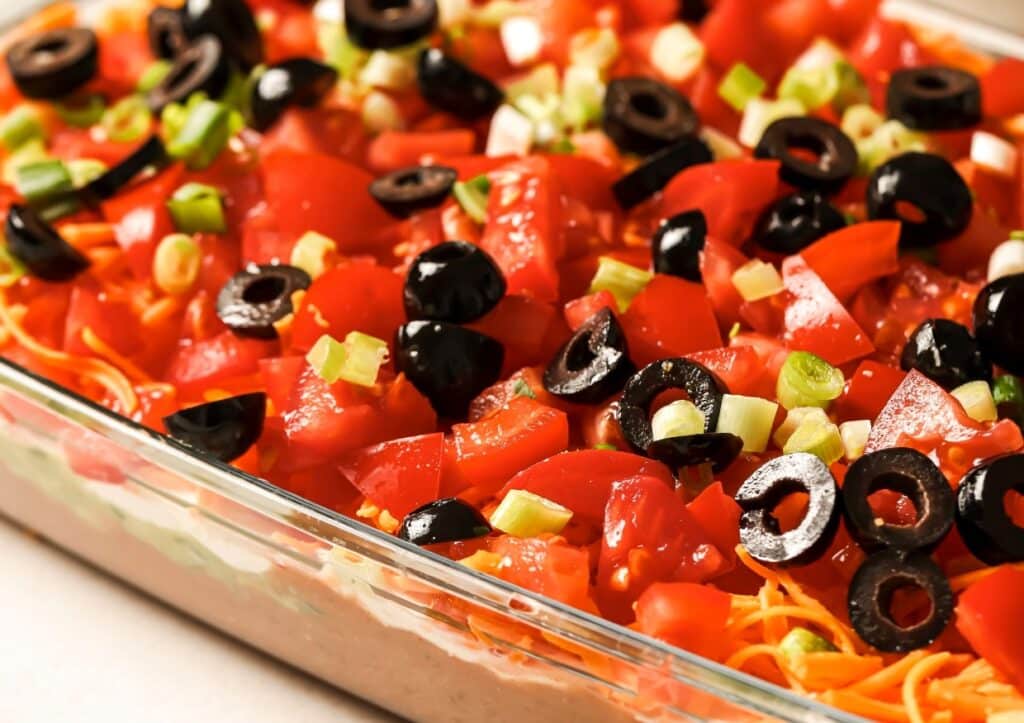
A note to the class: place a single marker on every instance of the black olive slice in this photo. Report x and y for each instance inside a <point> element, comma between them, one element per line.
<point>257,297</point>
<point>770,485</point>
<point>382,24</point>
<point>593,365</point>
<point>453,87</point>
<point>677,244</point>
<point>165,28</point>
<point>55,63</point>
<point>202,66</point>
<point>150,153</point>
<point>447,520</point>
<point>934,98</point>
<point>296,81</point>
<point>693,11</point>
<point>999,323</point>
<point>947,353</point>
<point>870,597</point>
<point>643,115</point>
<point>224,429</point>
<point>700,384</point>
<point>836,155</point>
<point>232,22</point>
<point>988,531</point>
<point>794,222</point>
<point>930,185</point>
<point>909,473</point>
<point>409,190</point>
<point>657,170</point>
<point>38,245</point>
<point>449,364</point>
<point>455,281</point>
<point>714,448</point>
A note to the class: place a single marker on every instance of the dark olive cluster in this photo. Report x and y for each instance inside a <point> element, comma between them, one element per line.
<point>898,555</point>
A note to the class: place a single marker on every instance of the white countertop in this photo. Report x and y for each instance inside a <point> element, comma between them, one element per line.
<point>79,646</point>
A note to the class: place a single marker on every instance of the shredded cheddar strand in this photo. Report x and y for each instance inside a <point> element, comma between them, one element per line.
<point>160,311</point>
<point>887,677</point>
<point>101,349</point>
<point>864,706</point>
<point>915,679</point>
<point>87,235</point>
<point>962,582</point>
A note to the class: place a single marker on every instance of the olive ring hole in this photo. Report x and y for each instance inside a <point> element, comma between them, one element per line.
<point>648,104</point>
<point>264,290</point>
<point>905,603</point>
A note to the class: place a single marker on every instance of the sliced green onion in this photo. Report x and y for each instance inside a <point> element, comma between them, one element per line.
<point>1008,393</point>
<point>153,75</point>
<point>838,85</point>
<point>800,641</point>
<point>757,280</point>
<point>678,53</point>
<point>740,86</point>
<point>541,82</point>
<point>197,208</point>
<point>357,360</point>
<point>19,126</point>
<point>524,514</point>
<point>11,269</point>
<point>594,47</point>
<point>43,180</point>
<point>813,437</point>
<point>749,418</point>
<point>977,400</point>
<point>855,435</point>
<point>889,140</point>
<point>794,418</point>
<point>340,52</point>
<point>619,279</point>
<point>381,113</point>
<point>310,253</point>
<point>806,380</point>
<point>1017,235</point>
<point>82,113</point>
<point>604,446</point>
<point>127,120</point>
<point>678,419</point>
<point>176,263</point>
<point>85,170</point>
<point>472,195</point>
<point>32,151</point>
<point>522,389</point>
<point>761,113</point>
<point>583,92</point>
<point>203,136</point>
<point>860,121</point>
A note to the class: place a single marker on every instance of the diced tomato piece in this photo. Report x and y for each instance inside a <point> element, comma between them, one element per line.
<point>687,615</point>
<point>971,250</point>
<point>741,368</point>
<point>489,452</point>
<point>719,516</point>
<point>649,536</point>
<point>546,565</point>
<point>793,25</point>
<point>734,31</point>
<point>992,192</point>
<point>279,375</point>
<point>849,258</point>
<point>524,232</point>
<point>884,46</point>
<point>732,194</point>
<point>109,318</point>
<point>201,365</point>
<point>393,150</point>
<point>76,143</point>
<point>585,179</point>
<point>852,16</point>
<point>355,296</point>
<point>1002,88</point>
<point>123,57</point>
<point>559,21</point>
<point>331,131</point>
<point>578,311</point>
<point>404,411</point>
<point>582,480</point>
<point>652,321</point>
<point>316,192</point>
<point>988,614</point>
<point>399,475</point>
<point>868,391</point>
<point>524,326</point>
<point>718,262</point>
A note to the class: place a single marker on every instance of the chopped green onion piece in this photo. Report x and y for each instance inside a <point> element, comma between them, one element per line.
<point>525,514</point>
<point>596,47</point>
<point>82,113</point>
<point>153,75</point>
<point>541,81</point>
<point>204,135</point>
<point>806,380</point>
<point>757,280</point>
<point>619,279</point>
<point>860,121</point>
<point>472,195</point>
<point>176,263</point>
<point>389,70</point>
<point>800,641</point>
<point>1008,393</point>
<point>127,120</point>
<point>794,418</point>
<point>310,253</point>
<point>761,113</point>
<point>890,139</point>
<point>678,419</point>
<point>740,86</point>
<point>19,126</point>
<point>381,113</point>
<point>677,53</point>
<point>522,389</point>
<point>11,269</point>
<point>197,208</point>
<point>583,92</point>
<point>1017,235</point>
<point>976,398</point>
<point>749,418</point>
<point>357,360</point>
<point>562,146</point>
<point>32,151</point>
<point>604,446</point>
<point>340,52</point>
<point>85,170</point>
<point>43,180</point>
<point>838,85</point>
<point>855,435</point>
<point>813,437</point>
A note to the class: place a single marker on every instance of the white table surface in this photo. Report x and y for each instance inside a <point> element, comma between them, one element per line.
<point>77,646</point>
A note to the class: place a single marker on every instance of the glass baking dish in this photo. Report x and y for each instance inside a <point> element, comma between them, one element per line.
<point>413,632</point>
